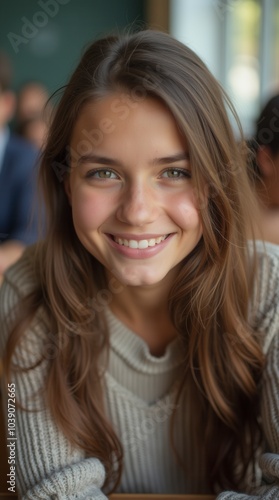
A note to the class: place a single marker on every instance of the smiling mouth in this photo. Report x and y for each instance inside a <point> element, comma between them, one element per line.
<point>140,244</point>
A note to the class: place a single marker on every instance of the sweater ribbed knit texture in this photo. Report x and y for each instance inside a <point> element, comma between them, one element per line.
<point>139,396</point>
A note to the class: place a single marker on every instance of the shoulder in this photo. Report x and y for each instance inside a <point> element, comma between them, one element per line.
<point>267,256</point>
<point>264,312</point>
<point>21,278</point>
<point>16,142</point>
<point>21,149</point>
<point>19,281</point>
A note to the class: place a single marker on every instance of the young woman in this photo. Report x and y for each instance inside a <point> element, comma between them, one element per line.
<point>142,335</point>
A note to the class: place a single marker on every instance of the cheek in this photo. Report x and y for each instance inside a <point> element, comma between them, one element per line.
<point>185,212</point>
<point>89,210</point>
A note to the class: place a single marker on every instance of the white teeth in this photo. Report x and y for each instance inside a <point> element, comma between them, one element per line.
<point>133,244</point>
<point>141,243</point>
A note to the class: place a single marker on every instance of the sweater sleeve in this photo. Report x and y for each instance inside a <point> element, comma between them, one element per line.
<point>267,305</point>
<point>47,465</point>
<point>269,461</point>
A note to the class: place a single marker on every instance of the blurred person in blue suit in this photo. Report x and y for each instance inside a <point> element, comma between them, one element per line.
<point>18,162</point>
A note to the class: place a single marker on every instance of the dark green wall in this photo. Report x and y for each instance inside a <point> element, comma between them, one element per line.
<point>47,43</point>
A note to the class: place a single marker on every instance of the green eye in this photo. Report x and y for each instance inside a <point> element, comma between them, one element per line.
<point>106,174</point>
<point>101,174</point>
<point>174,173</point>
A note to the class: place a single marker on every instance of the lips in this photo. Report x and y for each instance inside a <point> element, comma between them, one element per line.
<point>138,246</point>
<point>140,243</point>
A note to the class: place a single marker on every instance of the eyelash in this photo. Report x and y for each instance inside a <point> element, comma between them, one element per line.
<point>185,173</point>
<point>91,173</point>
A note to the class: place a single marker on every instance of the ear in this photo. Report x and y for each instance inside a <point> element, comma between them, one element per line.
<point>265,161</point>
<point>67,187</point>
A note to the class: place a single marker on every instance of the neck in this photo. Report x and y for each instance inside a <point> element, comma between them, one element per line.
<point>144,309</point>
<point>138,301</point>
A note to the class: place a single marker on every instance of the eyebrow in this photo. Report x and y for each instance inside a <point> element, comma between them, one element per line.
<point>103,160</point>
<point>171,159</point>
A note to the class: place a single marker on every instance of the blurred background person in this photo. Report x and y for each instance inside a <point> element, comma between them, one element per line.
<point>265,166</point>
<point>33,113</point>
<point>18,160</point>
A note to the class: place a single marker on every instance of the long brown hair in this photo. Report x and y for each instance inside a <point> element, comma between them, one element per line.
<point>209,300</point>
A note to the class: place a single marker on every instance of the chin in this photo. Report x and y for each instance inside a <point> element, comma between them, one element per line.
<point>137,278</point>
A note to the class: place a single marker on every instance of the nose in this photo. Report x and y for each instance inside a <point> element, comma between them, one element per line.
<point>138,205</point>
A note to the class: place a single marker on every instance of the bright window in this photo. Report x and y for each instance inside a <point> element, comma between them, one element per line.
<point>239,41</point>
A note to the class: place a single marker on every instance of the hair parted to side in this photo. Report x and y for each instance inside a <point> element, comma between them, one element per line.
<point>209,300</point>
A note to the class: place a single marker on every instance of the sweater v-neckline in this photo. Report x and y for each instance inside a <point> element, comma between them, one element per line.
<point>135,351</point>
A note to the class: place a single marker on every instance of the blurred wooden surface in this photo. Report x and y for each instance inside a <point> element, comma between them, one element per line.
<point>5,496</point>
<point>160,497</point>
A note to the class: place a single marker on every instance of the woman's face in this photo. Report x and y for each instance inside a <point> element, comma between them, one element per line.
<point>130,188</point>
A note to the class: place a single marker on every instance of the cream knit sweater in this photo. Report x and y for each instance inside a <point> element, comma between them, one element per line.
<point>139,392</point>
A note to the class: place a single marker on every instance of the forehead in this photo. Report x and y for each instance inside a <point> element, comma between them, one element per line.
<point>123,118</point>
